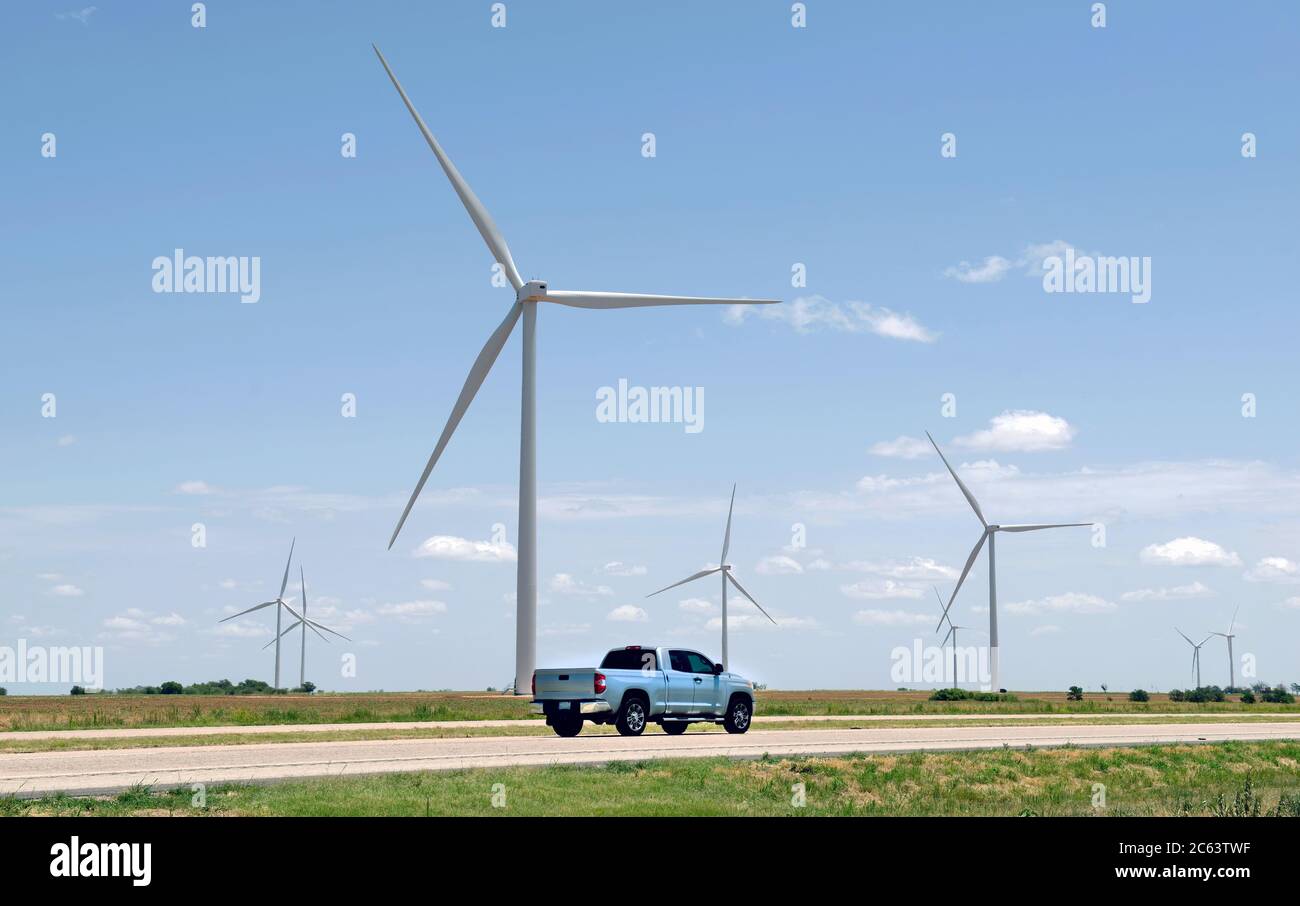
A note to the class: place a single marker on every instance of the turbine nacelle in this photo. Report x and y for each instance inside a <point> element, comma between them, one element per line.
<point>532,291</point>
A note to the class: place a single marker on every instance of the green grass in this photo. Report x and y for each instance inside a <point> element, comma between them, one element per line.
<point>1233,778</point>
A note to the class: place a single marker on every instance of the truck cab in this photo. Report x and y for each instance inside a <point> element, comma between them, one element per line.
<point>638,685</point>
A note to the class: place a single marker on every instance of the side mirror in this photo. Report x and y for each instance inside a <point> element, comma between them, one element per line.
<point>717,668</point>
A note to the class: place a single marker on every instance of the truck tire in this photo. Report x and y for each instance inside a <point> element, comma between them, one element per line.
<point>566,724</point>
<point>740,714</point>
<point>674,727</point>
<point>632,716</point>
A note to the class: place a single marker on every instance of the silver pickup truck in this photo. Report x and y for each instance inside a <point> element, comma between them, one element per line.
<point>633,686</point>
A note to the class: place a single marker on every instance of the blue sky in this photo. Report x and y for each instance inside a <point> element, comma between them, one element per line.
<point>774,146</point>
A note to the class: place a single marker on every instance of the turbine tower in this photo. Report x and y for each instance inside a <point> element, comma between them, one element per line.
<point>1196,654</point>
<point>527,296</point>
<point>725,568</point>
<point>989,534</point>
<point>1229,636</point>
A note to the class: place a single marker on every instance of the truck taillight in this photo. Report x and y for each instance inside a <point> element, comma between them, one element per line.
<point>598,683</point>
<point>534,684</point>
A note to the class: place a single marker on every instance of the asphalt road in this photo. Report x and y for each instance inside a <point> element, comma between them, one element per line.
<point>108,770</point>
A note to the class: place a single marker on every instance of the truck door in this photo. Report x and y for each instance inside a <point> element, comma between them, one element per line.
<point>681,683</point>
<point>708,685</point>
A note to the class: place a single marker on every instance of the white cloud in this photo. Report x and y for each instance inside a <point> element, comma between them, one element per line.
<point>449,547</point>
<point>194,487</point>
<point>1274,569</point>
<point>1178,592</point>
<point>66,591</point>
<point>916,569</point>
<point>809,313</point>
<point>628,613</point>
<point>1020,431</point>
<point>565,584</point>
<point>1070,602</point>
<point>881,589</point>
<point>992,269</point>
<point>901,447</point>
<point>778,565</point>
<point>66,440</point>
<point>412,611</point>
<point>435,585</point>
<point>171,619</point>
<point>746,621</point>
<point>227,583</point>
<point>1189,551</point>
<point>619,568</point>
<point>696,605</point>
<point>81,15</point>
<point>873,617</point>
<point>1048,629</point>
<point>240,630</point>
<point>1292,603</point>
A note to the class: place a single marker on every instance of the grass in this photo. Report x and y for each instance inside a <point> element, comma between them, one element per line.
<point>289,735</point>
<point>106,711</point>
<point>1232,778</point>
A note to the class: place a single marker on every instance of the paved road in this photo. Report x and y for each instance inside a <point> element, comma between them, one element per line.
<point>259,729</point>
<point>108,770</point>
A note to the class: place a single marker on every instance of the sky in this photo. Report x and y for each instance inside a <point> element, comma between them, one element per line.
<point>897,174</point>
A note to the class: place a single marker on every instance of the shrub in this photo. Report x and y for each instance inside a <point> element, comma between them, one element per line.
<point>171,687</point>
<point>1248,697</point>
<point>77,690</point>
<point>1177,695</point>
<point>1075,694</point>
<point>1139,695</point>
<point>1278,696</point>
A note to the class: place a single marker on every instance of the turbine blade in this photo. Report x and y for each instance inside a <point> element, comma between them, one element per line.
<point>250,610</point>
<point>700,575</point>
<point>939,598</point>
<point>303,579</point>
<point>316,625</point>
<point>970,561</point>
<point>1037,526</point>
<point>1184,635</point>
<point>1233,624</point>
<point>580,299</point>
<point>951,630</point>
<point>740,588</point>
<point>482,365</point>
<point>312,626</point>
<point>281,635</point>
<point>726,539</point>
<point>285,582</point>
<point>970,498</point>
<point>487,228</point>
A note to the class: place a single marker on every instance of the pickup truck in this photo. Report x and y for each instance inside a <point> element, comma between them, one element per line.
<point>633,686</point>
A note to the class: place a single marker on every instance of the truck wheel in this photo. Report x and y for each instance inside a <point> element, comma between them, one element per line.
<point>567,725</point>
<point>674,727</point>
<point>738,715</point>
<point>631,717</point>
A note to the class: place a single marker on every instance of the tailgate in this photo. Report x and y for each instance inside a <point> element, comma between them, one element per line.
<point>570,683</point>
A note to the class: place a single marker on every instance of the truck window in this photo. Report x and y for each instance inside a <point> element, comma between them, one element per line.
<point>630,659</point>
<point>679,661</point>
<point>698,663</point>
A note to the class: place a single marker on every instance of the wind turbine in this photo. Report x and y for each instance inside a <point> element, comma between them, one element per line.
<point>1196,654</point>
<point>304,623</point>
<point>725,568</point>
<point>279,603</point>
<point>952,633</point>
<point>1229,636</point>
<point>989,534</point>
<point>527,295</point>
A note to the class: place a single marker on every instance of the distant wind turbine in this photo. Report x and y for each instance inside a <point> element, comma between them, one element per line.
<point>527,295</point>
<point>990,532</point>
<point>1228,637</point>
<point>304,623</point>
<point>1196,654</point>
<point>952,634</point>
<point>727,576</point>
<point>278,603</point>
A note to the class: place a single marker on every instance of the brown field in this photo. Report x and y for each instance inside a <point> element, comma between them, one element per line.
<point>109,711</point>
